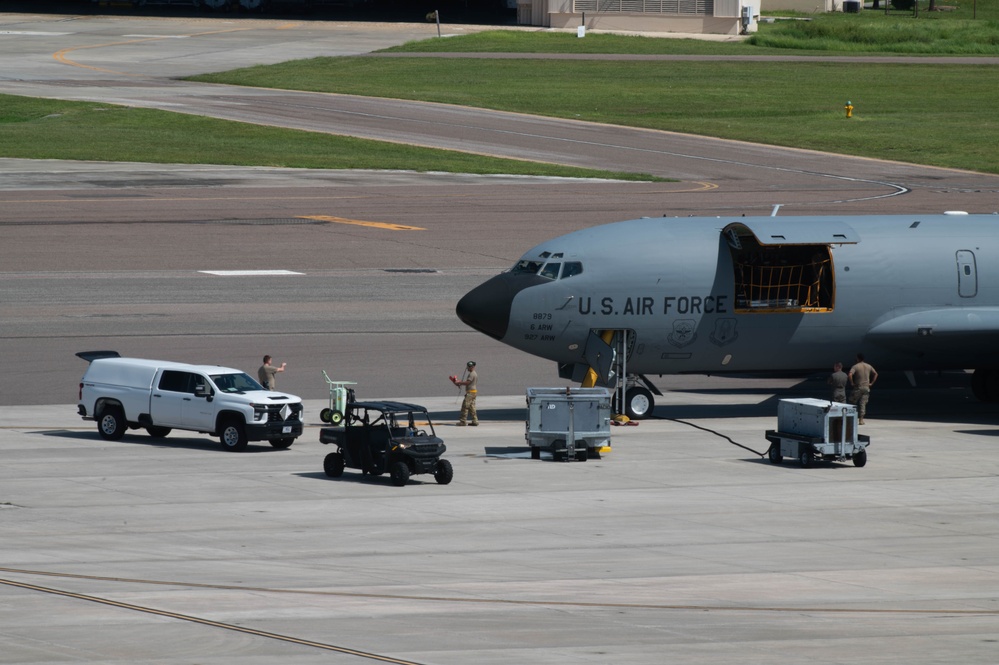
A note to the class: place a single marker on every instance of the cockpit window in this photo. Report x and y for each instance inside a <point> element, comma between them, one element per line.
<point>571,268</point>
<point>527,266</point>
<point>550,270</point>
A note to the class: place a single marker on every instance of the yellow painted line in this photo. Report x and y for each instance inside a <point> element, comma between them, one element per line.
<point>704,187</point>
<point>359,222</point>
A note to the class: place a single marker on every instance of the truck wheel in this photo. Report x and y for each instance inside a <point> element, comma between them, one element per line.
<point>333,465</point>
<point>638,403</point>
<point>444,472</point>
<point>774,454</point>
<point>535,452</point>
<point>807,458</point>
<point>860,458</point>
<point>281,444</point>
<point>158,432</point>
<point>233,435</point>
<point>400,474</point>
<point>111,423</point>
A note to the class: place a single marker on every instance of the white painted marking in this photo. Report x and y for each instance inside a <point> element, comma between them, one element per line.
<point>32,33</point>
<point>159,36</point>
<point>248,273</point>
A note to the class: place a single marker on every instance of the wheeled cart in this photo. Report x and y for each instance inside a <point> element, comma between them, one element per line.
<point>816,429</point>
<point>571,423</point>
<point>340,397</point>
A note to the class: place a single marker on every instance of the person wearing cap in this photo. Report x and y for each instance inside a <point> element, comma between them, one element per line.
<point>470,382</point>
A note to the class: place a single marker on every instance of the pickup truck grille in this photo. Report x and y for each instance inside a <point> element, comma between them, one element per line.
<point>274,413</point>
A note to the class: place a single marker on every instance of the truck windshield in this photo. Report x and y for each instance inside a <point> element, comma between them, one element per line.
<point>235,383</point>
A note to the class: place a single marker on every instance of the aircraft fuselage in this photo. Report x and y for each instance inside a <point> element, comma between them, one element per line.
<point>713,295</point>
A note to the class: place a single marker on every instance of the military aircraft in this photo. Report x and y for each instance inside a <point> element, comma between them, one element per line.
<point>716,295</point>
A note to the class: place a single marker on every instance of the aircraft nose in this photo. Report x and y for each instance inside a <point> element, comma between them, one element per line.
<point>487,307</point>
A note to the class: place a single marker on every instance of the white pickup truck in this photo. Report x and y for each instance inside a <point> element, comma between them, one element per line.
<point>159,395</point>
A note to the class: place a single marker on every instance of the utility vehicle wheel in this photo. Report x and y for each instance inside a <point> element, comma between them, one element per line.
<point>400,474</point>
<point>638,403</point>
<point>111,423</point>
<point>774,454</point>
<point>282,444</point>
<point>444,472</point>
<point>158,432</point>
<point>233,435</point>
<point>807,458</point>
<point>333,465</point>
<point>335,417</point>
<point>860,458</point>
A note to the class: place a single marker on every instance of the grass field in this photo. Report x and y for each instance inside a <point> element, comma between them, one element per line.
<point>943,115</point>
<point>51,129</point>
<point>937,114</point>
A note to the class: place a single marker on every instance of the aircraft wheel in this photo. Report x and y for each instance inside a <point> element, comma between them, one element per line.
<point>638,403</point>
<point>774,454</point>
<point>860,458</point>
<point>400,474</point>
<point>807,458</point>
<point>444,473</point>
<point>333,465</point>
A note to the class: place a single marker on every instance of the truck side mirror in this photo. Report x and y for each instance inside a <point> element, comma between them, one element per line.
<point>202,391</point>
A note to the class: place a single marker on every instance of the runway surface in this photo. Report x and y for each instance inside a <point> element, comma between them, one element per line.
<point>677,546</point>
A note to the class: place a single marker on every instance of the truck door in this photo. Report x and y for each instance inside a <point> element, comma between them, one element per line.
<point>169,395</point>
<point>199,412</point>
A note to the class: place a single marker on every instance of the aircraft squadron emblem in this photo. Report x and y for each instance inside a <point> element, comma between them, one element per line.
<point>724,332</point>
<point>683,333</point>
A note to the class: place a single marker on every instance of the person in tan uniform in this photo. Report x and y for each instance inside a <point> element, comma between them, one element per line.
<point>837,381</point>
<point>862,378</point>
<point>267,373</point>
<point>470,382</point>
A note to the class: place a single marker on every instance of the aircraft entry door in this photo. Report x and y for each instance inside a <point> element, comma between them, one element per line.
<point>967,274</point>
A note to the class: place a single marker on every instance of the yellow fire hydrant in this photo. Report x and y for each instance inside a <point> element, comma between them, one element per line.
<point>849,109</point>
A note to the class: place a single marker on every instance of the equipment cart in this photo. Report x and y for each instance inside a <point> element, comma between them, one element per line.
<point>810,429</point>
<point>571,423</point>
<point>340,397</point>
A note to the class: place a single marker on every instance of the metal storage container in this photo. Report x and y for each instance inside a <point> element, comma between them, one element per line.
<point>571,423</point>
